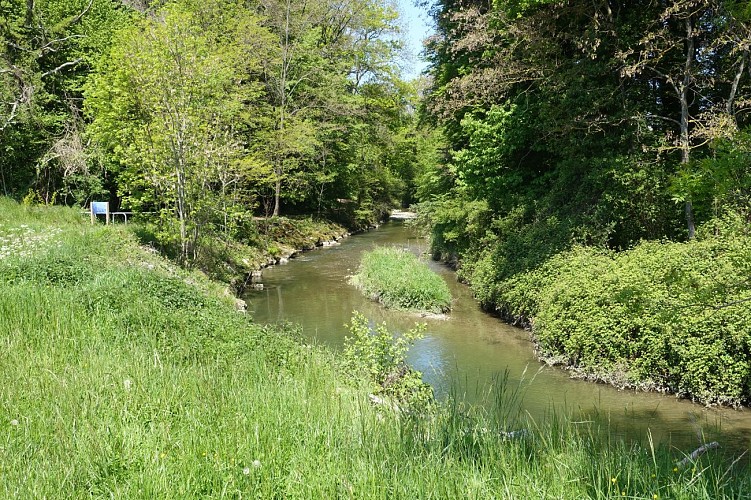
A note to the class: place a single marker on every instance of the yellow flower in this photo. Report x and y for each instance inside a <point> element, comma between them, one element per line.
<point>613,479</point>
<point>655,496</point>
<point>675,469</point>
<point>162,455</point>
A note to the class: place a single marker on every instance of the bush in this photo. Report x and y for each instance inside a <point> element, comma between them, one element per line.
<point>397,279</point>
<point>379,356</point>
<point>672,316</point>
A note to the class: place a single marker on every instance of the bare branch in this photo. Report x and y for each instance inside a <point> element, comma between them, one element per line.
<point>48,46</point>
<point>61,67</point>
<point>83,13</point>
<point>11,117</point>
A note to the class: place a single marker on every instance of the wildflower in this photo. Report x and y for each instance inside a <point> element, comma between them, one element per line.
<point>614,480</point>
<point>655,496</point>
<point>127,383</point>
<point>246,471</point>
<point>14,422</point>
<point>256,464</point>
<point>675,469</point>
<point>162,455</point>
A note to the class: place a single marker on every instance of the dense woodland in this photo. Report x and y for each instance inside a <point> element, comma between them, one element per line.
<point>584,164</point>
<point>595,181</point>
<point>207,113</point>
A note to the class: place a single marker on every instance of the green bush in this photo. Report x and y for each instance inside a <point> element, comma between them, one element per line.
<point>671,316</point>
<point>379,356</point>
<point>662,315</point>
<point>398,279</point>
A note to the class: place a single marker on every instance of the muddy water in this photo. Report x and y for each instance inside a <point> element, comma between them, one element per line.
<point>467,353</point>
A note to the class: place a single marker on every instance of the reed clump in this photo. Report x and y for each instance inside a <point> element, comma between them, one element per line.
<point>399,280</point>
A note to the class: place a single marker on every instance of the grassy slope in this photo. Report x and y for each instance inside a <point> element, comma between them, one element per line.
<point>123,376</point>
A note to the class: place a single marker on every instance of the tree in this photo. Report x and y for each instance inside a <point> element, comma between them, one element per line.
<point>291,71</point>
<point>164,105</point>
<point>46,49</point>
<point>698,50</point>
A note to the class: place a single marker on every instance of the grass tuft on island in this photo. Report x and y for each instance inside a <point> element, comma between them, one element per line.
<point>399,280</point>
<point>122,375</point>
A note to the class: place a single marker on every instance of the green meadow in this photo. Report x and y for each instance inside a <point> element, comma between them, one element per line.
<point>122,375</point>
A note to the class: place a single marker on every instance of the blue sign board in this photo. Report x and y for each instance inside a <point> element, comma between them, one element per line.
<point>100,207</point>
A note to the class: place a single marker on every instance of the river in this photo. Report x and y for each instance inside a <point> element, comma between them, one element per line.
<point>468,352</point>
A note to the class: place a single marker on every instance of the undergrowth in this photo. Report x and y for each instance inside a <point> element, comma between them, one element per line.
<point>670,316</point>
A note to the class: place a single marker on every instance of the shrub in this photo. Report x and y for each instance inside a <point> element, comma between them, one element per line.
<point>379,356</point>
<point>664,315</point>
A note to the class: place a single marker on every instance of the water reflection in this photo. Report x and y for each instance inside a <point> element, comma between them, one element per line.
<point>466,353</point>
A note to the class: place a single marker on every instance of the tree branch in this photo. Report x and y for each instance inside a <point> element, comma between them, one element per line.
<point>83,13</point>
<point>61,67</point>
<point>48,46</point>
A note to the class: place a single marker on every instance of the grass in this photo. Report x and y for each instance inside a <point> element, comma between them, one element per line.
<point>399,280</point>
<point>123,376</point>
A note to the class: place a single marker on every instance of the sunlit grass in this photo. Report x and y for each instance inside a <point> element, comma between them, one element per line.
<point>123,376</point>
<point>399,280</point>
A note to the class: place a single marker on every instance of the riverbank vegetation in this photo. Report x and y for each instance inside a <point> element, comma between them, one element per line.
<point>265,242</point>
<point>206,116</point>
<point>398,279</point>
<point>125,375</point>
<point>597,191</point>
<point>663,316</point>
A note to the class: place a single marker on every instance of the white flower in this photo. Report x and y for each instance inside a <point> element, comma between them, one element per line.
<point>14,422</point>
<point>256,464</point>
<point>246,471</point>
<point>127,383</point>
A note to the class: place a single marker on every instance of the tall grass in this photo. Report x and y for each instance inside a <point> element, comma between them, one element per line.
<point>122,376</point>
<point>398,280</point>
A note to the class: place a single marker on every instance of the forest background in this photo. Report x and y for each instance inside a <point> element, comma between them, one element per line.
<point>585,165</point>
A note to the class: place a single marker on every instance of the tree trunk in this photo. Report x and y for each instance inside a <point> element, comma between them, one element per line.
<point>685,143</point>
<point>277,193</point>
<point>29,13</point>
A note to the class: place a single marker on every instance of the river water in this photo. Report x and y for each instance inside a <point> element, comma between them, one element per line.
<point>466,354</point>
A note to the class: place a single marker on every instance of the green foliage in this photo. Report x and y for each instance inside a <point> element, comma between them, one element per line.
<point>164,104</point>
<point>396,278</point>
<point>669,315</point>
<point>662,316</point>
<point>46,49</point>
<point>379,356</point>
<point>720,182</point>
<point>453,223</point>
<point>492,144</point>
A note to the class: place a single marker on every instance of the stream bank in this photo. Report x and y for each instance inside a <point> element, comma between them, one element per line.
<point>468,354</point>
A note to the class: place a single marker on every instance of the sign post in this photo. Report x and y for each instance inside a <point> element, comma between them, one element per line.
<point>98,208</point>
